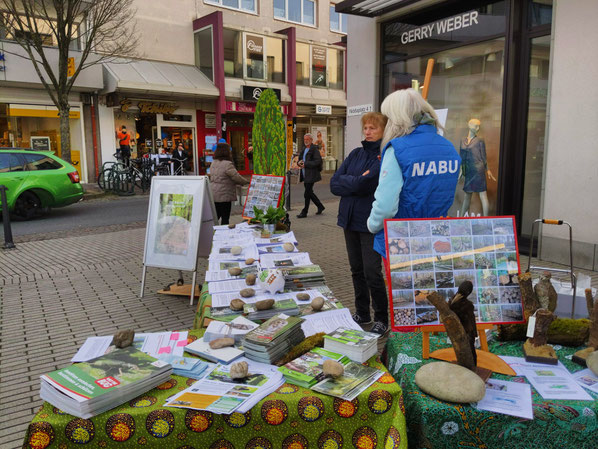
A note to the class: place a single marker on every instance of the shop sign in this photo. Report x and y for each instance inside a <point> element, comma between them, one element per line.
<point>253,93</point>
<point>359,110</point>
<point>40,143</point>
<point>210,120</point>
<point>318,66</point>
<point>440,27</point>
<point>239,106</point>
<point>255,46</point>
<point>323,109</point>
<point>149,107</point>
<point>148,143</point>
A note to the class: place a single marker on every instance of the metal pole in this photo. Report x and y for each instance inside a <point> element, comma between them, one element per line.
<point>8,243</point>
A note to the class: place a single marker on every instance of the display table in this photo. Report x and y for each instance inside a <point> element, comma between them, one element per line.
<point>292,417</point>
<point>437,424</point>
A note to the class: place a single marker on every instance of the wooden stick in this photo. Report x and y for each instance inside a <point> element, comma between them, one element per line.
<point>543,319</point>
<point>589,301</point>
<point>427,78</point>
<point>530,300</point>
<point>455,331</point>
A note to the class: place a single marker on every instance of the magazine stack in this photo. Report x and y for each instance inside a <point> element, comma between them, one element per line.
<point>307,370</point>
<point>273,339</point>
<point>90,388</point>
<point>286,306</point>
<point>236,329</point>
<point>355,344</point>
<point>307,275</point>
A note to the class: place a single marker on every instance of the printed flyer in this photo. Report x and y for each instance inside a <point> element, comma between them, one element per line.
<point>174,224</point>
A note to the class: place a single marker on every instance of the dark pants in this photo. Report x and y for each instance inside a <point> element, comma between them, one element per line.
<point>310,195</point>
<point>366,271</point>
<point>125,154</point>
<point>223,211</point>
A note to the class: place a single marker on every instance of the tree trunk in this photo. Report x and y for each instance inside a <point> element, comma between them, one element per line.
<point>589,302</point>
<point>543,319</point>
<point>65,133</point>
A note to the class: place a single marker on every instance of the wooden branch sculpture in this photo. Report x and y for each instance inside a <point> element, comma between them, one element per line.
<point>535,348</point>
<point>463,308</point>
<point>455,331</point>
<point>530,300</point>
<point>581,355</point>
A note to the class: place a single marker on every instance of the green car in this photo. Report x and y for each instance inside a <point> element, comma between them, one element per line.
<point>36,181</point>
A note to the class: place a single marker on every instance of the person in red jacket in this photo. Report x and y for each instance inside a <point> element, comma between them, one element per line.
<point>124,142</point>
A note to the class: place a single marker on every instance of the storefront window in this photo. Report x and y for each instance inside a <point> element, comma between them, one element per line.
<point>299,11</point>
<point>254,56</point>
<point>203,52</point>
<point>318,66</point>
<point>336,68</point>
<point>233,53</point>
<point>275,49</point>
<point>467,82</point>
<point>302,64</point>
<point>536,126</point>
<point>338,21</point>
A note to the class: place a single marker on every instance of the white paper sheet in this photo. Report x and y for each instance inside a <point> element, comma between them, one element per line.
<point>221,251</point>
<point>587,379</point>
<point>294,260</point>
<point>92,348</point>
<point>519,363</point>
<point>553,382</point>
<point>328,321</point>
<point>277,238</point>
<point>508,398</point>
<point>220,265</point>
<point>234,285</point>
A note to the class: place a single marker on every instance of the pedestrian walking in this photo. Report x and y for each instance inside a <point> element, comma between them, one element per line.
<point>310,163</point>
<point>355,182</point>
<point>420,168</point>
<point>178,159</point>
<point>224,179</point>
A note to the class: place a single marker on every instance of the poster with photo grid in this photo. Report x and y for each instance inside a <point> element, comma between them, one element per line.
<point>263,191</point>
<point>426,255</point>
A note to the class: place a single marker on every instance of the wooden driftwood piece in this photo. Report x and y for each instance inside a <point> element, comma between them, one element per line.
<point>463,308</point>
<point>593,340</point>
<point>530,300</point>
<point>535,349</point>
<point>545,292</point>
<point>455,331</point>
<point>589,302</point>
<point>562,331</point>
<point>543,319</point>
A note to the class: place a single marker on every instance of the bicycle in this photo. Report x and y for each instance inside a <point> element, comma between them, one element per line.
<point>122,179</point>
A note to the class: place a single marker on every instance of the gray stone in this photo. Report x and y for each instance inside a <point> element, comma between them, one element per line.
<point>235,271</point>
<point>264,304</point>
<point>592,362</point>
<point>236,250</point>
<point>333,368</point>
<point>317,303</point>
<point>122,339</point>
<point>450,382</point>
<point>237,304</point>
<point>250,279</point>
<point>222,343</point>
<point>249,261</point>
<point>289,247</point>
<point>239,370</point>
<point>302,296</point>
<point>247,292</point>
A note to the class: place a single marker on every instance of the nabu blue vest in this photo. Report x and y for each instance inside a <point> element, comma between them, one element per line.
<point>430,166</point>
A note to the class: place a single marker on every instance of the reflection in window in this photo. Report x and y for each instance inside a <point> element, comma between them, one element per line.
<point>46,30</point>
<point>468,82</point>
<point>39,162</point>
<point>242,5</point>
<point>336,68</point>
<point>203,52</point>
<point>338,21</point>
<point>540,12</point>
<point>254,51</point>
<point>233,53</point>
<point>299,11</point>
<point>302,64</point>
<point>275,49</point>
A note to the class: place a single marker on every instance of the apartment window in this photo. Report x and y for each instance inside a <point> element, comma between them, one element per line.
<point>298,11</point>
<point>336,68</point>
<point>241,5</point>
<point>45,30</point>
<point>233,53</point>
<point>338,21</point>
<point>203,52</point>
<point>276,59</point>
<point>302,64</point>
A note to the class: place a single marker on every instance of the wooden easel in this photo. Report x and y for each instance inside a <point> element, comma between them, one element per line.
<point>426,330</point>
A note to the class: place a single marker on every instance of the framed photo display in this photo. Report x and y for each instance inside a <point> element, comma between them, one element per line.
<point>425,255</point>
<point>263,191</point>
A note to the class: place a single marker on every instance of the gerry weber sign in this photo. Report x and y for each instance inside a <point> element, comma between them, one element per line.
<point>441,27</point>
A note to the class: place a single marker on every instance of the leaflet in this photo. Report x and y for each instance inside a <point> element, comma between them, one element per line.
<point>224,275</point>
<point>234,285</point>
<point>278,248</point>
<point>555,383</point>
<point>328,322</point>
<point>587,379</point>
<point>275,260</point>
<point>222,251</point>
<point>220,265</point>
<point>508,398</point>
<point>277,238</point>
<point>92,348</point>
<point>519,364</point>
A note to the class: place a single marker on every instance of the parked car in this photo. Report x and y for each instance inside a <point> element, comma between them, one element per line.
<point>37,181</point>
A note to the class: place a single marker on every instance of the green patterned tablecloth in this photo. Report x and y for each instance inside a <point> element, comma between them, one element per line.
<point>436,424</point>
<point>290,418</point>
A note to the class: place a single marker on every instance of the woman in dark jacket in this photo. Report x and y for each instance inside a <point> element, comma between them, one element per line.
<point>355,182</point>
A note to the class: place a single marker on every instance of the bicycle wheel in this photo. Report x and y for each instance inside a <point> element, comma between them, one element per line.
<point>123,183</point>
<point>102,177</point>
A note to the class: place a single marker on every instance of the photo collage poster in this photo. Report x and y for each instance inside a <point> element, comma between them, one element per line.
<point>439,254</point>
<point>263,191</point>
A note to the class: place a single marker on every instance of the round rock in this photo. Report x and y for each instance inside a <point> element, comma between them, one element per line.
<point>222,343</point>
<point>592,362</point>
<point>237,304</point>
<point>247,292</point>
<point>333,368</point>
<point>317,303</point>
<point>250,279</point>
<point>450,382</point>
<point>289,247</point>
<point>231,226</point>
<point>239,370</point>
<point>250,261</point>
<point>264,304</point>
<point>236,250</point>
<point>302,296</point>
<point>235,271</point>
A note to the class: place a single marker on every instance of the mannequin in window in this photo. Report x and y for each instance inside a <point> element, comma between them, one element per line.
<point>474,168</point>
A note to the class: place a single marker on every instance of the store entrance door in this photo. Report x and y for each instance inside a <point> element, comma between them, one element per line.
<point>239,138</point>
<point>181,135</point>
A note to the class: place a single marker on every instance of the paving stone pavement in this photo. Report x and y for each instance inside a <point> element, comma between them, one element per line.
<point>54,293</point>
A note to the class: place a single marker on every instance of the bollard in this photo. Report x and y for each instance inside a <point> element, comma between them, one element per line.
<point>8,243</point>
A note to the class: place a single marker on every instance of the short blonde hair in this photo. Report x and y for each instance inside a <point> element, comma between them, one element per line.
<point>374,118</point>
<point>401,107</point>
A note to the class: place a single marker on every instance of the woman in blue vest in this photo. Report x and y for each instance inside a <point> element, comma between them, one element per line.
<point>420,168</point>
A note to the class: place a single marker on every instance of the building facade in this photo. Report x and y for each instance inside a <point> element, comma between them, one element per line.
<point>518,69</point>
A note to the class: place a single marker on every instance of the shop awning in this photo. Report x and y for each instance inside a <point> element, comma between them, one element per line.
<point>157,78</point>
<point>371,8</point>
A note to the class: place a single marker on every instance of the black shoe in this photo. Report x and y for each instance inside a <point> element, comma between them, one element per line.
<point>302,215</point>
<point>320,210</point>
<point>361,320</point>
<point>379,328</point>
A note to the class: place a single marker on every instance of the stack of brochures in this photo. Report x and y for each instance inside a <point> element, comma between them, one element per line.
<point>273,339</point>
<point>307,370</point>
<point>186,366</point>
<point>358,345</point>
<point>307,275</point>
<point>93,387</point>
<point>236,329</point>
<point>224,313</point>
<point>286,306</point>
<point>202,348</point>
<point>356,378</point>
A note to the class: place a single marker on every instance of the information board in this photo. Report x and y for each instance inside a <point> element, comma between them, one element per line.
<point>263,191</point>
<point>425,255</point>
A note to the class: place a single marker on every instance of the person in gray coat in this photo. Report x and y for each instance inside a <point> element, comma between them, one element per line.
<point>310,163</point>
<point>224,179</point>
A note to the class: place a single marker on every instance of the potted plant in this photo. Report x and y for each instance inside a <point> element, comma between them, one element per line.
<point>270,218</point>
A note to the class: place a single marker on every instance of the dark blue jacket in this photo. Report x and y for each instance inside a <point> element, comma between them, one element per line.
<point>429,165</point>
<point>357,191</point>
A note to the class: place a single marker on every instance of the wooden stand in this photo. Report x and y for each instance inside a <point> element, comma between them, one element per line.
<point>181,290</point>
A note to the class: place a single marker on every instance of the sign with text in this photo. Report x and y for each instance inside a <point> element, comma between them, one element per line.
<point>40,143</point>
<point>253,93</point>
<point>440,27</point>
<point>318,66</point>
<point>323,109</point>
<point>263,191</point>
<point>437,255</point>
<point>359,110</point>
<point>210,120</point>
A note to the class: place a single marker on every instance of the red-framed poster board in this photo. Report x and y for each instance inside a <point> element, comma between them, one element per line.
<point>263,191</point>
<point>425,255</point>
